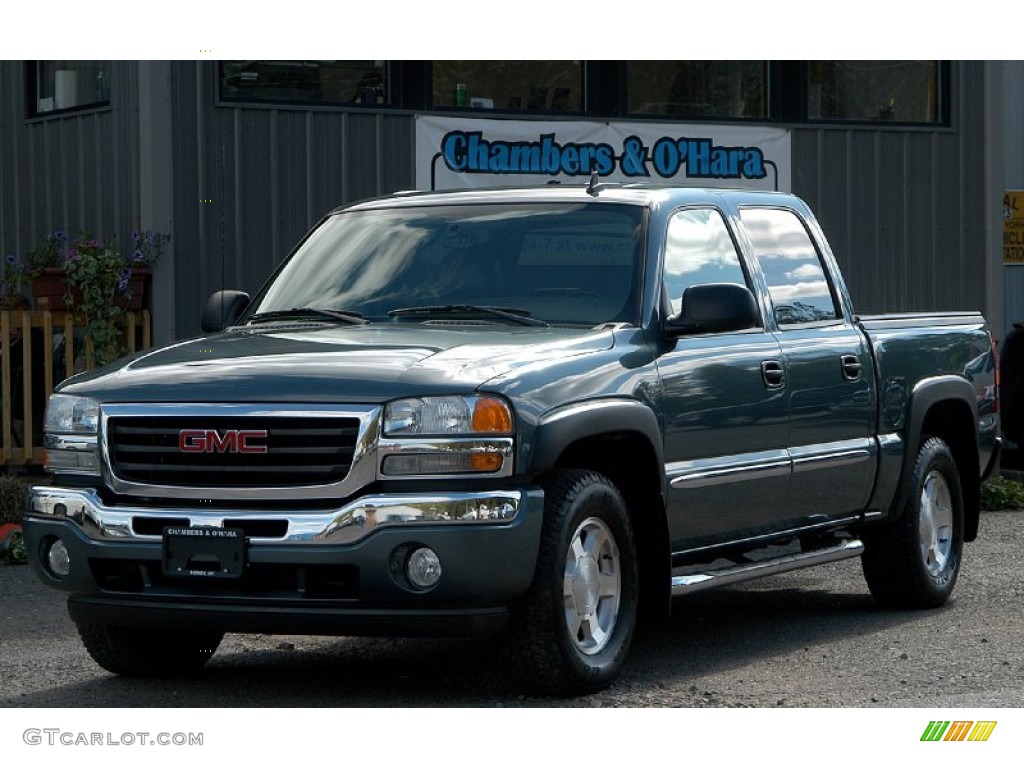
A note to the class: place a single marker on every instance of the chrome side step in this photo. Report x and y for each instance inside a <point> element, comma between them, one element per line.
<point>695,582</point>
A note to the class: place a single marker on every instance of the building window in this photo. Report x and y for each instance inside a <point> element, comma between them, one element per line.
<point>57,86</point>
<point>698,89</point>
<point>538,86</point>
<point>900,91</point>
<point>332,82</point>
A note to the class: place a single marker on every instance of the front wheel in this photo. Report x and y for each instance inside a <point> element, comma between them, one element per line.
<point>148,653</point>
<point>914,563</point>
<point>572,631</point>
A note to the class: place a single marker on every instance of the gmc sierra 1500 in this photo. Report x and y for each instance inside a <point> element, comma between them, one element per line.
<point>537,412</point>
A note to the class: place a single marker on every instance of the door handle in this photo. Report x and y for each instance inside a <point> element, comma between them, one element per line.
<point>774,374</point>
<point>851,367</point>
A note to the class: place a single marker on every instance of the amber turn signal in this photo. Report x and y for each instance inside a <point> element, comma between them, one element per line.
<point>491,415</point>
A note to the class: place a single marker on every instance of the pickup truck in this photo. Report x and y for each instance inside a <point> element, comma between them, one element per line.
<point>540,413</point>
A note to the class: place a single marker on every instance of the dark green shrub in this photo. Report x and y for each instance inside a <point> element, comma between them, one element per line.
<point>12,498</point>
<point>999,492</point>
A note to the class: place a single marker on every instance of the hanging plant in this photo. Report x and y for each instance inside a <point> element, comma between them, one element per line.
<point>99,289</point>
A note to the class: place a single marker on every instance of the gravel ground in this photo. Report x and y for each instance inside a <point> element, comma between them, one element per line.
<point>812,638</point>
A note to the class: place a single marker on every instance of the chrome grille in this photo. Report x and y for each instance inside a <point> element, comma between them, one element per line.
<point>300,450</point>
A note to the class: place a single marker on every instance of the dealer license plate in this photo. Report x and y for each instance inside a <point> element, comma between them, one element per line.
<point>204,551</point>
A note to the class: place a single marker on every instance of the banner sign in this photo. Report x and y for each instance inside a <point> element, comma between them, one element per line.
<point>455,152</point>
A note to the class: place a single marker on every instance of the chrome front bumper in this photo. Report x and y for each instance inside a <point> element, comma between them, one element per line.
<point>338,526</point>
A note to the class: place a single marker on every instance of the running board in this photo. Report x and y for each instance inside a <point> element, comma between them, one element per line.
<point>695,582</point>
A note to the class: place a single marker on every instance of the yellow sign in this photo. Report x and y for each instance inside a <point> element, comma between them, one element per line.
<point>1013,226</point>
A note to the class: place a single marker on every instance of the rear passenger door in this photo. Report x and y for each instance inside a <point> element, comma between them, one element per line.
<point>828,368</point>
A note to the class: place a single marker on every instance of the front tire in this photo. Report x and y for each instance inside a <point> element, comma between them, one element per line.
<point>914,563</point>
<point>571,632</point>
<point>148,653</point>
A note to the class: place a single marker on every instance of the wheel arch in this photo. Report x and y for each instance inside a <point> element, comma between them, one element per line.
<point>621,439</point>
<point>945,407</point>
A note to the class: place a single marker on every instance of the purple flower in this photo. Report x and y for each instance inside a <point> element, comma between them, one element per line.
<point>11,260</point>
<point>72,254</point>
<point>137,255</point>
<point>60,235</point>
<point>126,273</point>
<point>122,285</point>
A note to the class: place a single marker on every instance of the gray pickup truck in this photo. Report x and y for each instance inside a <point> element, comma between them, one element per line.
<point>536,413</point>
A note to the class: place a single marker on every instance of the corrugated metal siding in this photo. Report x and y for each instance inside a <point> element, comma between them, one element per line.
<point>904,209</point>
<point>261,178</point>
<point>1013,100</point>
<point>77,172</point>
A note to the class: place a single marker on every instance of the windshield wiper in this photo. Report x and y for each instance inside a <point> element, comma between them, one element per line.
<point>512,314</point>
<point>341,315</point>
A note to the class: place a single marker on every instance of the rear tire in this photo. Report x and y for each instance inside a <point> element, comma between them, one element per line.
<point>914,563</point>
<point>148,653</point>
<point>571,632</point>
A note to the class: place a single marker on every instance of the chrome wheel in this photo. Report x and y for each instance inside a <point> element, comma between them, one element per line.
<point>914,562</point>
<point>592,586</point>
<point>936,523</point>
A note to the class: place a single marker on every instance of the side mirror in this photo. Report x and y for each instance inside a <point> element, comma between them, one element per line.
<point>714,308</point>
<point>223,309</point>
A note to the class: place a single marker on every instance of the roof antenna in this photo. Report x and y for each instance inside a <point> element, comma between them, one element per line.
<point>594,186</point>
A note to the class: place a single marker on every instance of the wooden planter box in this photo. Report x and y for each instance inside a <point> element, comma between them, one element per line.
<point>50,289</point>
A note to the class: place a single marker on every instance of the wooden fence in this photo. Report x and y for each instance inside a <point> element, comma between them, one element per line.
<point>38,350</point>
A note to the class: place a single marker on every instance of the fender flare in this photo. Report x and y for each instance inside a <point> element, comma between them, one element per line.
<point>565,425</point>
<point>925,395</point>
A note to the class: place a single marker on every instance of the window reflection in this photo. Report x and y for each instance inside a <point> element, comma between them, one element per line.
<point>704,89</point>
<point>555,86</point>
<point>797,283</point>
<point>354,82</point>
<point>903,91</point>
<point>698,249</point>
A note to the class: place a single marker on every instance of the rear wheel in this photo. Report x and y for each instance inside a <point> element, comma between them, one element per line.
<point>914,563</point>
<point>572,631</point>
<point>148,653</point>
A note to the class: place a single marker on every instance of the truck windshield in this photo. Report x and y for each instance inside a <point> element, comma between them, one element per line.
<point>558,263</point>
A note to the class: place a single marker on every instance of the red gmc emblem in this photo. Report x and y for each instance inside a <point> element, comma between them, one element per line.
<point>228,441</point>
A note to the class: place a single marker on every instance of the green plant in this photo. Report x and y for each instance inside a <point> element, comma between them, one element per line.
<point>147,248</point>
<point>13,275</point>
<point>52,252</point>
<point>12,498</point>
<point>999,492</point>
<point>98,288</point>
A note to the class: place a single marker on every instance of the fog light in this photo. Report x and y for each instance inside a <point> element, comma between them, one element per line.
<point>58,558</point>
<point>423,568</point>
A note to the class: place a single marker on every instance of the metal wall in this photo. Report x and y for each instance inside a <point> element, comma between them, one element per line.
<point>907,210</point>
<point>75,173</point>
<point>1013,100</point>
<point>910,212</point>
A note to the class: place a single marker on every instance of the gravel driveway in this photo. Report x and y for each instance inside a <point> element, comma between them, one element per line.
<point>812,638</point>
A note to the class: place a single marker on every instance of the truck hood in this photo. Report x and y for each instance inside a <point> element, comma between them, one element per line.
<point>303,363</point>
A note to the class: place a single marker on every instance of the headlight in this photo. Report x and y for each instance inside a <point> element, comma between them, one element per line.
<point>69,414</point>
<point>71,428</point>
<point>453,415</point>
<point>446,436</point>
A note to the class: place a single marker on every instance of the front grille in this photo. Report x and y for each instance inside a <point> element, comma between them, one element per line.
<point>299,450</point>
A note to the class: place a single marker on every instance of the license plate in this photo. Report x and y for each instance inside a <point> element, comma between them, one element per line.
<point>205,551</point>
